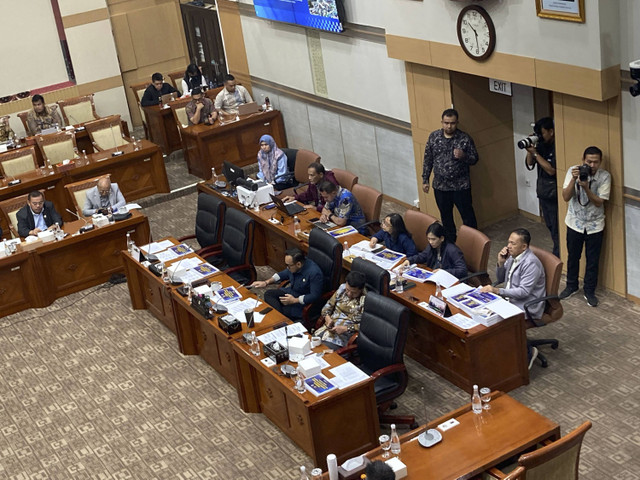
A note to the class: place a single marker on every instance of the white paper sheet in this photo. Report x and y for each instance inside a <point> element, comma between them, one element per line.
<point>157,246</point>
<point>346,375</point>
<point>504,308</point>
<point>462,321</point>
<point>456,290</point>
<point>280,336</point>
<point>130,206</point>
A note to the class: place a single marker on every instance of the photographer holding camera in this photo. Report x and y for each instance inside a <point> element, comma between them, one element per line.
<point>585,189</point>
<point>541,151</point>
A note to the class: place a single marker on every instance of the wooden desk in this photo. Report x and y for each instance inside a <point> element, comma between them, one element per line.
<point>488,356</point>
<point>138,173</point>
<point>162,127</point>
<point>477,444</point>
<point>316,424</point>
<point>66,266</point>
<point>206,146</point>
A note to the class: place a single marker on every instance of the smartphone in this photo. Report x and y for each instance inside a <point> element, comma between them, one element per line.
<point>264,311</point>
<point>314,219</point>
<point>270,206</point>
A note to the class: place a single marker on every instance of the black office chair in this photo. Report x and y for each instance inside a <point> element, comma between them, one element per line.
<point>291,154</point>
<point>326,251</point>
<point>380,348</point>
<point>209,221</point>
<point>234,254</point>
<point>377,278</point>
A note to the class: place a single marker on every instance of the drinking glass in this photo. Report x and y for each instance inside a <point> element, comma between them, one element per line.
<point>300,387</point>
<point>385,444</point>
<point>316,474</point>
<point>485,395</point>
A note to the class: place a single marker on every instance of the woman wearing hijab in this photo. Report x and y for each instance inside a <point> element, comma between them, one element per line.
<point>272,164</point>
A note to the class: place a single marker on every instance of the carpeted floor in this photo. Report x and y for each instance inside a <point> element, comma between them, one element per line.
<point>91,389</point>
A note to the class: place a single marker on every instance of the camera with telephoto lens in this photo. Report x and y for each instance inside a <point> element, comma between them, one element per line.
<point>530,141</point>
<point>584,171</point>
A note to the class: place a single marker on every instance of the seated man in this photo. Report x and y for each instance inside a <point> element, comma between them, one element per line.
<point>6,132</point>
<point>304,287</point>
<point>343,312</point>
<point>341,206</point>
<point>37,215</point>
<point>231,96</point>
<point>310,197</point>
<point>156,90</point>
<point>41,117</point>
<point>200,109</point>
<point>523,275</point>
<point>104,195</point>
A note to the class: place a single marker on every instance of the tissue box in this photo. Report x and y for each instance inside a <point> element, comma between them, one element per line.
<point>309,367</point>
<point>299,346</point>
<point>46,236</point>
<point>399,468</point>
<point>100,220</point>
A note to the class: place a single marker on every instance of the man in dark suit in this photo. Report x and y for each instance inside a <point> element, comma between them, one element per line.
<point>37,215</point>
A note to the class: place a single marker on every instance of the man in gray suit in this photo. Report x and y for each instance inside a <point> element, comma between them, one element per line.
<point>523,275</point>
<point>104,195</point>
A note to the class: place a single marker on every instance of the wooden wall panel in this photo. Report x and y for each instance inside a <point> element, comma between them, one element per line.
<point>231,25</point>
<point>124,43</point>
<point>580,123</point>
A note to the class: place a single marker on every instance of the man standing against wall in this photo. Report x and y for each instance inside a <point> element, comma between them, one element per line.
<point>543,154</point>
<point>585,189</point>
<point>449,153</point>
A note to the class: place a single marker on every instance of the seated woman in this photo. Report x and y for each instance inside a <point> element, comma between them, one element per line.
<point>343,312</point>
<point>272,164</point>
<point>440,254</point>
<point>395,236</point>
<point>192,78</point>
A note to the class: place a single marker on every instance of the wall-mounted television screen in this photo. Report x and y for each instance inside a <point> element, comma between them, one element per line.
<point>322,14</point>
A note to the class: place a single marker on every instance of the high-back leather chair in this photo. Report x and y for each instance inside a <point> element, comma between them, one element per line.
<point>417,224</point>
<point>298,162</point>
<point>209,221</point>
<point>18,161</point>
<point>78,109</point>
<point>77,191</point>
<point>345,178</point>
<point>370,201</point>
<point>56,147</point>
<point>553,306</point>
<point>234,254</point>
<point>107,133</point>
<point>377,279</point>
<point>326,252</point>
<point>557,460</point>
<point>380,348</point>
<point>475,247</point>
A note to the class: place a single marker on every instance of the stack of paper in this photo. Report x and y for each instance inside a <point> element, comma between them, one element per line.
<point>347,374</point>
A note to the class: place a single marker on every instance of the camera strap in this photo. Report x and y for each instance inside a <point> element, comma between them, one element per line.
<point>579,193</point>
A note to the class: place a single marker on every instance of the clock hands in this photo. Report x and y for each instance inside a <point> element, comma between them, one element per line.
<point>476,34</point>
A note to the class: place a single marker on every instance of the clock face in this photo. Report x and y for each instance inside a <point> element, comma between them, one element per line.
<point>476,32</point>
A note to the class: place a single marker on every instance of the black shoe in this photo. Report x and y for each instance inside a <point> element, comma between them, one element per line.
<point>591,299</point>
<point>567,292</point>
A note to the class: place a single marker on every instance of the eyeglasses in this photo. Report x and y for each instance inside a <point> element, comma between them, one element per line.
<point>289,265</point>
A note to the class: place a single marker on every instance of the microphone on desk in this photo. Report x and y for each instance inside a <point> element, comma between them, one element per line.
<point>74,122</point>
<point>171,280</point>
<point>151,258</point>
<point>118,152</point>
<point>13,181</point>
<point>87,226</point>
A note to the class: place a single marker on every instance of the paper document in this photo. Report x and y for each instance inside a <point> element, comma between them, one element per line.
<point>237,309</point>
<point>504,308</point>
<point>165,255</point>
<point>346,375</point>
<point>459,289</point>
<point>462,321</point>
<point>154,247</point>
<point>131,206</point>
<point>342,231</point>
<point>279,334</point>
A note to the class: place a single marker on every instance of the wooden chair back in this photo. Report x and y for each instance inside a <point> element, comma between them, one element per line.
<point>78,109</point>
<point>56,147</point>
<point>176,80</point>
<point>107,133</point>
<point>475,247</point>
<point>77,191</point>
<point>9,208</point>
<point>18,161</point>
<point>345,178</point>
<point>179,112</point>
<point>552,265</point>
<point>417,223</point>
<point>370,201</point>
<point>558,460</point>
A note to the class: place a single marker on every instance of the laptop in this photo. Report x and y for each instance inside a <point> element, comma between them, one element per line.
<point>232,172</point>
<point>290,209</point>
<point>169,97</point>
<point>248,108</point>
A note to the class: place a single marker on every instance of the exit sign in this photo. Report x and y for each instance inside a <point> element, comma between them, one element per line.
<point>500,86</point>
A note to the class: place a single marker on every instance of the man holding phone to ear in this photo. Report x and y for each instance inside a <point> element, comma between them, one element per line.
<point>200,109</point>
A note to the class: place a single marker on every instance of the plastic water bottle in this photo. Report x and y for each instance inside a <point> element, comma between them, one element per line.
<point>476,402</point>
<point>255,344</point>
<point>267,103</point>
<point>214,175</point>
<point>130,243</point>
<point>296,226</point>
<point>346,250</point>
<point>303,473</point>
<point>439,291</point>
<point>189,292</point>
<point>395,440</point>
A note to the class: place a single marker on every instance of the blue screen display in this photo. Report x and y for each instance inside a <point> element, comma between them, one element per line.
<point>321,14</point>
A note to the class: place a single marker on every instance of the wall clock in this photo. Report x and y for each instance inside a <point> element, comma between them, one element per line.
<point>476,33</point>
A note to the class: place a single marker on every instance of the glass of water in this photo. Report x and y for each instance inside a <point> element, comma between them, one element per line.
<point>485,395</point>
<point>385,444</point>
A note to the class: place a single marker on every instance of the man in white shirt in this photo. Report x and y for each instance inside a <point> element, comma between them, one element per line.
<point>231,96</point>
<point>585,189</point>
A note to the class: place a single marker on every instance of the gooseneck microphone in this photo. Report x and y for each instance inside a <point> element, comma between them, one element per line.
<point>87,227</point>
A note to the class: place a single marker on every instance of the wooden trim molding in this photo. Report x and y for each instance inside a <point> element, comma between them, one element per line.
<point>337,107</point>
<point>83,18</point>
<point>557,77</point>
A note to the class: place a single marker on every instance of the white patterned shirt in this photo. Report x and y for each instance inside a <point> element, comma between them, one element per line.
<point>228,101</point>
<point>582,214</point>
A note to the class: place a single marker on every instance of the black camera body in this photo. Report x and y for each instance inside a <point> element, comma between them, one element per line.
<point>584,171</point>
